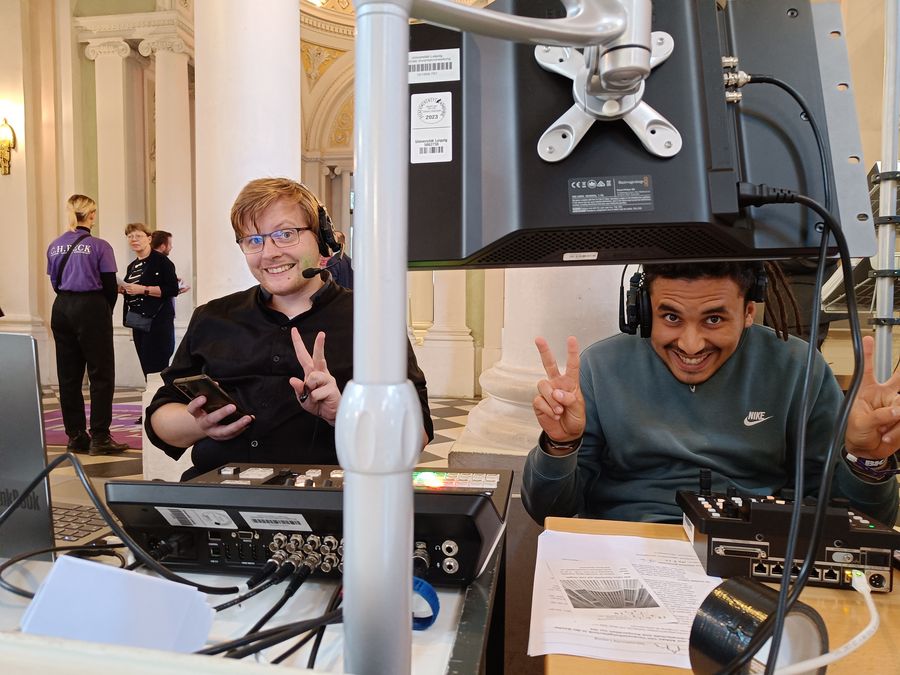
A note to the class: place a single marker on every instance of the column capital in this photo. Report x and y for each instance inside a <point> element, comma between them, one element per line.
<point>162,43</point>
<point>113,46</point>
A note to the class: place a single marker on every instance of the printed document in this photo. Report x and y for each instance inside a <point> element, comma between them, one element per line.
<point>615,597</point>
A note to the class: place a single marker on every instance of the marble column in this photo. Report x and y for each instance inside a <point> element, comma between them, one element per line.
<point>553,303</point>
<point>247,108</point>
<point>421,301</point>
<point>116,146</point>
<point>112,163</point>
<point>447,354</point>
<point>174,193</point>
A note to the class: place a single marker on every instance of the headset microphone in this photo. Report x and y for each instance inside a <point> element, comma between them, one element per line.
<point>310,272</point>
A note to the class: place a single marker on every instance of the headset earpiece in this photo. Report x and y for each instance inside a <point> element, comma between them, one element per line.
<point>760,284</point>
<point>327,242</point>
<point>634,307</point>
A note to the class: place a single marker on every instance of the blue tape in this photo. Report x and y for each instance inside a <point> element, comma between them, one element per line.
<point>426,591</point>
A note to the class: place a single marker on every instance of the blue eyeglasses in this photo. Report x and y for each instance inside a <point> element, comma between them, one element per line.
<point>254,243</point>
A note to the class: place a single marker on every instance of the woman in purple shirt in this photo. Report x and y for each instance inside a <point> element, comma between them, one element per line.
<point>82,270</point>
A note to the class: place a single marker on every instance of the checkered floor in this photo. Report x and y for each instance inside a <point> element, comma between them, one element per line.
<point>448,415</point>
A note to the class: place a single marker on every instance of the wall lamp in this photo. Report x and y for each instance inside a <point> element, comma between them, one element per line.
<point>7,143</point>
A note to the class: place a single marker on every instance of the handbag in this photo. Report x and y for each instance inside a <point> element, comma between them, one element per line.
<point>138,321</point>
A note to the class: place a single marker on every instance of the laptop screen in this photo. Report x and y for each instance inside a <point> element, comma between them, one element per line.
<point>23,454</point>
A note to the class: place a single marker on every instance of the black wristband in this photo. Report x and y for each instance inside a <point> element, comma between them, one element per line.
<point>546,442</point>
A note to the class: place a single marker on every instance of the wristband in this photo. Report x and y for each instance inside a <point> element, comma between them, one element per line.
<point>873,469</point>
<point>548,442</point>
<point>146,290</point>
<point>424,589</point>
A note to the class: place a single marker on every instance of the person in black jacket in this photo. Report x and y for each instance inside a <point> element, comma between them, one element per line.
<point>82,270</point>
<point>283,349</point>
<point>149,285</point>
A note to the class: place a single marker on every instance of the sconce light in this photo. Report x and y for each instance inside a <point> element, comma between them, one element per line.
<point>7,143</point>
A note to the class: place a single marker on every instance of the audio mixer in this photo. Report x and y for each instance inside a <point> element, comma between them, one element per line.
<point>236,517</point>
<point>737,535</point>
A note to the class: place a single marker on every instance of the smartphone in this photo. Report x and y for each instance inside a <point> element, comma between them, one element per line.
<point>204,385</point>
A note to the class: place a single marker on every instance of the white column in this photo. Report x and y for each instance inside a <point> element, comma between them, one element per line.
<point>174,193</point>
<point>116,162</point>
<point>549,302</point>
<point>247,103</point>
<point>421,301</point>
<point>447,355</point>
<point>112,164</point>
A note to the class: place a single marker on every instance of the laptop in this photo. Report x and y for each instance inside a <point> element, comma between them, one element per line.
<point>23,455</point>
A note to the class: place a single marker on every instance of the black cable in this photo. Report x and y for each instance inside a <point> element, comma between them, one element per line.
<point>759,195</point>
<point>333,604</point>
<point>246,596</point>
<point>273,636</point>
<point>798,97</point>
<point>278,637</point>
<point>98,550</point>
<point>299,576</point>
<point>117,529</point>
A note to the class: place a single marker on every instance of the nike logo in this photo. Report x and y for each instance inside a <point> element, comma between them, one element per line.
<point>755,417</point>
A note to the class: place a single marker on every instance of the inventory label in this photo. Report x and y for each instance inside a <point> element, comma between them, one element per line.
<point>197,518</point>
<point>259,520</point>
<point>434,65</point>
<point>688,527</point>
<point>430,128</point>
<point>608,194</point>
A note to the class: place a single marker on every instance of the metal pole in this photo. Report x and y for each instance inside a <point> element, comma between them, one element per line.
<point>887,193</point>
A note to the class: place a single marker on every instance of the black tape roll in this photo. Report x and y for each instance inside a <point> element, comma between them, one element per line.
<point>729,617</point>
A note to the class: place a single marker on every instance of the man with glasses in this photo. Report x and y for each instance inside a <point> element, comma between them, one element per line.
<point>282,349</point>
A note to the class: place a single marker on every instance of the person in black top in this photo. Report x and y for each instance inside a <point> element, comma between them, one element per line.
<point>82,270</point>
<point>339,265</point>
<point>150,284</point>
<point>283,349</point>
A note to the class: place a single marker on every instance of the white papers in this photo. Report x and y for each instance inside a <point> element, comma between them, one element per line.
<point>616,598</point>
<point>83,600</point>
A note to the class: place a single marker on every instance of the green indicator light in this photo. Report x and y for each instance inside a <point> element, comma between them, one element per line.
<point>871,527</point>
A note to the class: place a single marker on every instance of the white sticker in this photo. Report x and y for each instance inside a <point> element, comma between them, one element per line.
<point>431,128</point>
<point>584,255</point>
<point>257,473</point>
<point>434,65</point>
<point>197,518</point>
<point>275,521</point>
<point>688,527</point>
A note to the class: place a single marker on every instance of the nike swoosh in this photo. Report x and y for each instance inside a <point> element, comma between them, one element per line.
<point>752,423</point>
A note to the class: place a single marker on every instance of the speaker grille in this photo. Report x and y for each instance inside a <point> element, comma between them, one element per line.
<point>631,243</point>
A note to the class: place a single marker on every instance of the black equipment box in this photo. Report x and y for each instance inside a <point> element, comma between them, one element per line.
<point>747,536</point>
<point>235,517</point>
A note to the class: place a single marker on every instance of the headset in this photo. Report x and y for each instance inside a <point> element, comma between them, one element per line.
<point>327,242</point>
<point>636,313</point>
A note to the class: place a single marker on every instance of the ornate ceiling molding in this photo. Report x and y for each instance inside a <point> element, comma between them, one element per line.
<point>145,25</point>
<point>342,127</point>
<point>115,47</point>
<point>317,59</point>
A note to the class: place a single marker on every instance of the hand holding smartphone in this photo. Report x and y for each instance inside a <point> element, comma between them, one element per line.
<point>216,397</point>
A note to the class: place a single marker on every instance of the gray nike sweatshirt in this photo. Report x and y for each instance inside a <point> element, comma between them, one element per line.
<point>648,435</point>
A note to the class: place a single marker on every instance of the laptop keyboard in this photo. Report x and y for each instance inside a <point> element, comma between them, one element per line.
<point>73,522</point>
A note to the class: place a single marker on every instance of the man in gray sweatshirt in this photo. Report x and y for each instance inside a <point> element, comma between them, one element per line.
<point>633,420</point>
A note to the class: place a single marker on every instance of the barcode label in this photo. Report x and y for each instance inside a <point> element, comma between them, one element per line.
<point>434,65</point>
<point>215,518</point>
<point>425,67</point>
<point>275,521</point>
<point>431,127</point>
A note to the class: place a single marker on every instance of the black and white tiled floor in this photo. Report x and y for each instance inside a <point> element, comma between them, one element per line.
<point>448,415</point>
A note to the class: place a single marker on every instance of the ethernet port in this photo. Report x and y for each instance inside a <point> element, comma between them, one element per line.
<point>795,570</point>
<point>815,574</point>
<point>777,570</point>
<point>760,570</point>
<point>830,575</point>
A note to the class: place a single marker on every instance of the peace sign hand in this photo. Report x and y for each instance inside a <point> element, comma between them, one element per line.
<point>559,405</point>
<point>873,428</point>
<point>318,393</point>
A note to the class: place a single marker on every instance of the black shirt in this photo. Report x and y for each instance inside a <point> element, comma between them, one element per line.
<point>246,347</point>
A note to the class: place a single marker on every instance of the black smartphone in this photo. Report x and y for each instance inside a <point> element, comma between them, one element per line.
<point>216,397</point>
